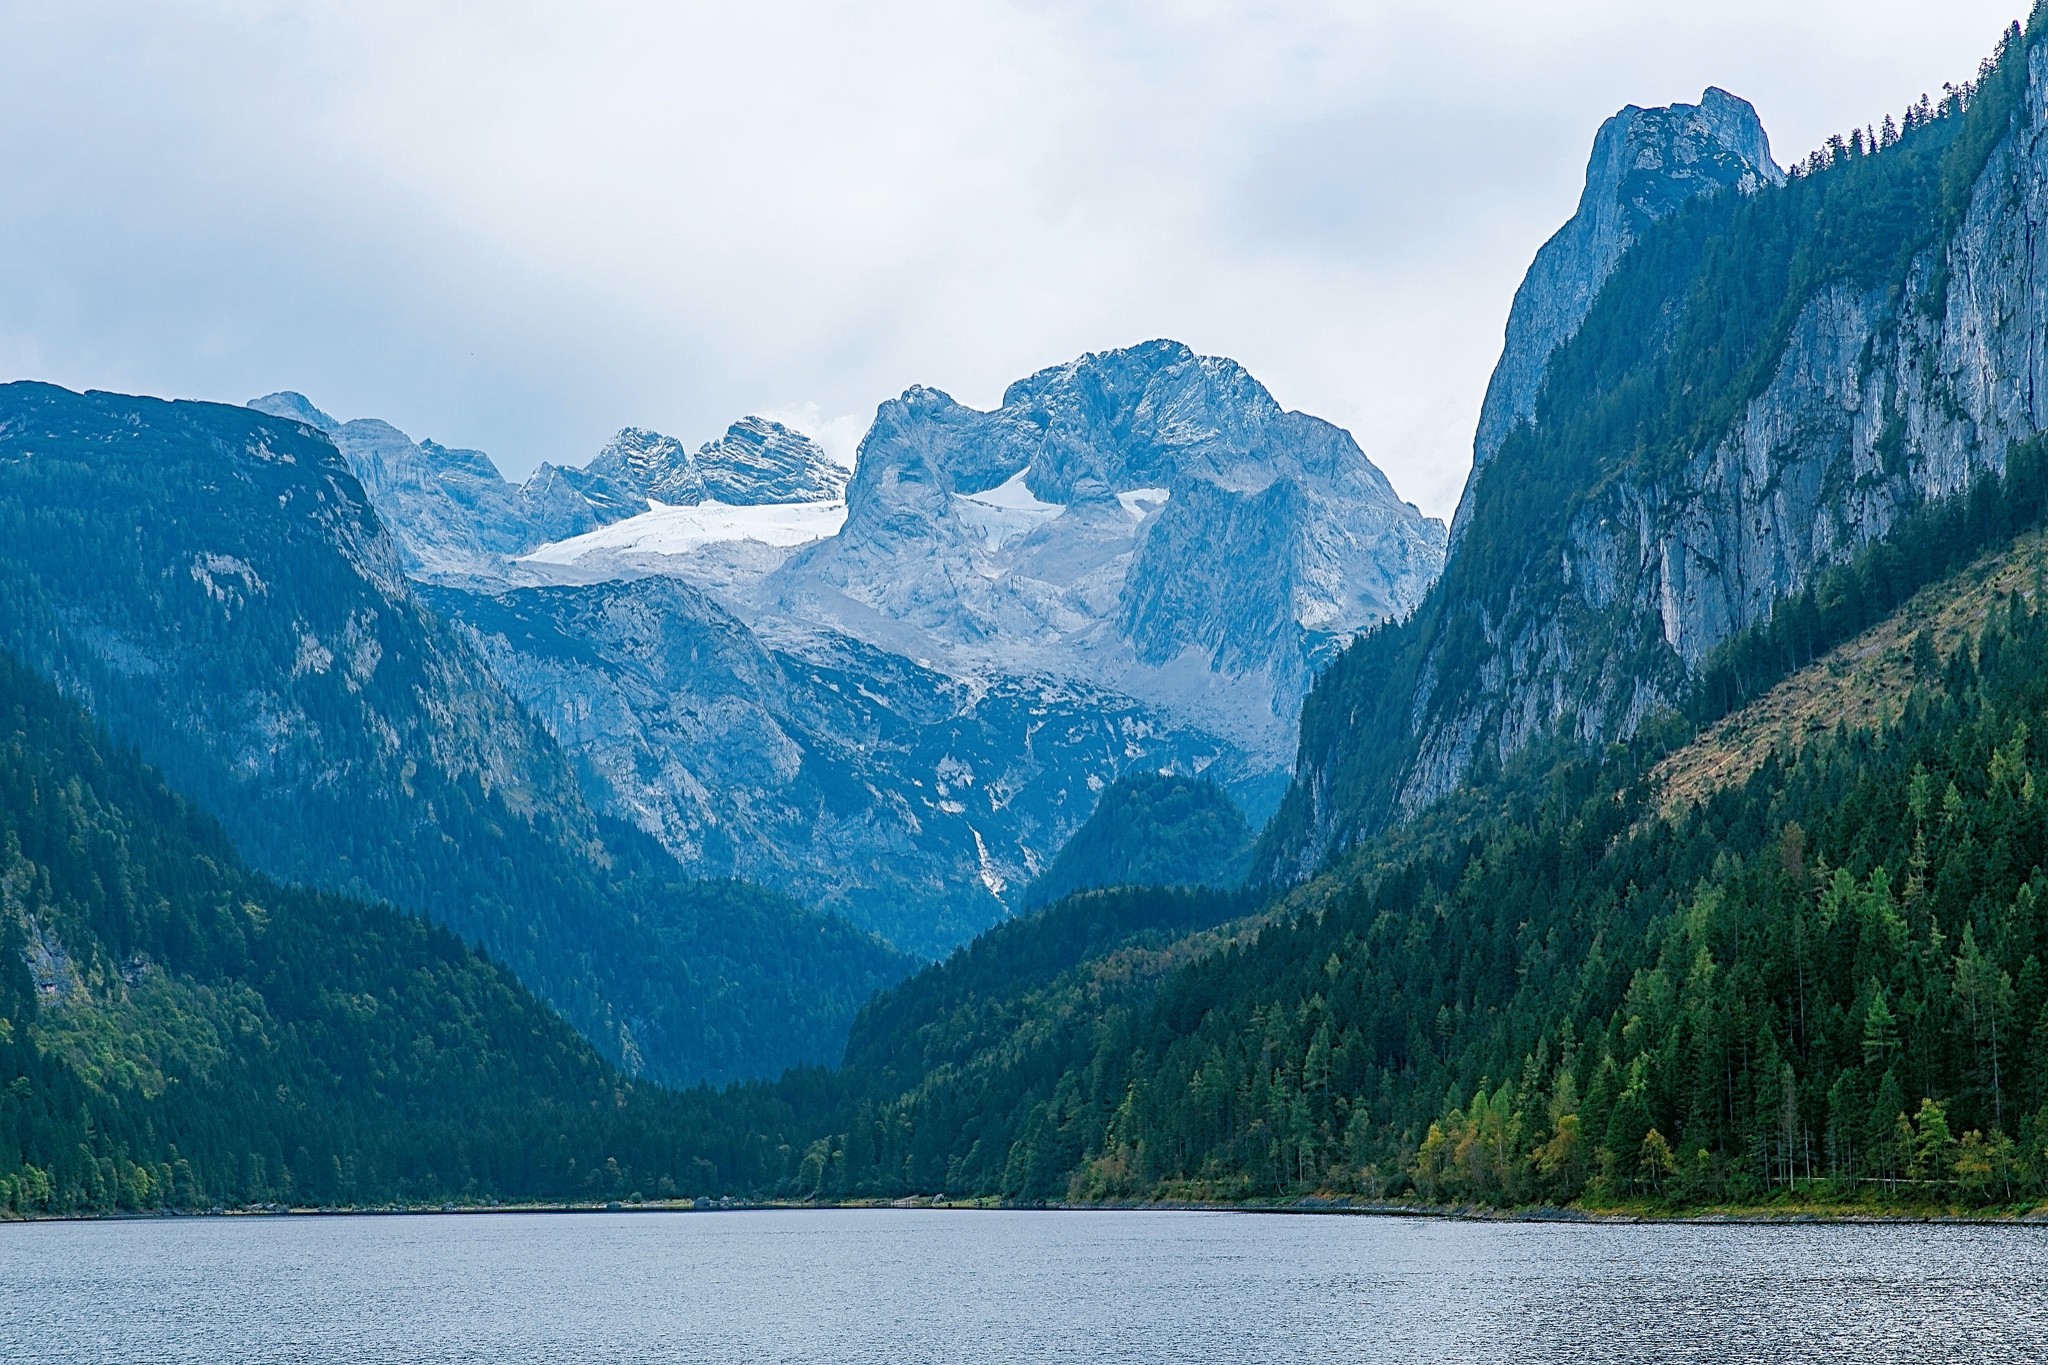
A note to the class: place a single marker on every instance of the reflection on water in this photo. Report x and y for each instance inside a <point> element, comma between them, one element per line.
<point>912,1286</point>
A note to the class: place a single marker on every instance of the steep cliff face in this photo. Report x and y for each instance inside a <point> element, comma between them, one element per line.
<point>1645,163</point>
<point>1766,383</point>
<point>916,804</point>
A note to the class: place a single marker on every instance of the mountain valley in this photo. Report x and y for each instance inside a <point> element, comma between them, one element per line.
<point>1115,796</point>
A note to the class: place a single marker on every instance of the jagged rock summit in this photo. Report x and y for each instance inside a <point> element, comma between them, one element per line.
<point>1645,163</point>
<point>1147,519</point>
<point>457,519</point>
<point>757,461</point>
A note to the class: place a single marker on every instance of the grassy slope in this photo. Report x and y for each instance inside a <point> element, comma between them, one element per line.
<point>1860,685</point>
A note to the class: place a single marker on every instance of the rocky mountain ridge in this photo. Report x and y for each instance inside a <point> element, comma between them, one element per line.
<point>1723,427</point>
<point>756,461</point>
<point>456,518</point>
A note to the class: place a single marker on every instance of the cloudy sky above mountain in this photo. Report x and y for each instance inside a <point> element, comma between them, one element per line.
<point>521,226</point>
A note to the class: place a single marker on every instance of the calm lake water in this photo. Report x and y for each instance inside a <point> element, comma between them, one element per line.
<point>912,1286</point>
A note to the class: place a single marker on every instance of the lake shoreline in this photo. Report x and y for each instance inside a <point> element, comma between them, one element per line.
<point>1311,1205</point>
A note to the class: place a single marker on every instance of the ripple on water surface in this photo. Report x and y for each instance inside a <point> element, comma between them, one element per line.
<point>914,1286</point>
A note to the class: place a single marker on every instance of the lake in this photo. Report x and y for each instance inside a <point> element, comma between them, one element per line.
<point>917,1285</point>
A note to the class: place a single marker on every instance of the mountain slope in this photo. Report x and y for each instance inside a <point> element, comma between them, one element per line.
<point>1151,829</point>
<point>177,1032</point>
<point>1860,684</point>
<point>900,707</point>
<point>215,586</point>
<point>1821,984</point>
<point>912,803</point>
<point>1768,382</point>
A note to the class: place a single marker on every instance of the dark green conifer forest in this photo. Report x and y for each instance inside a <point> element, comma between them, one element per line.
<point>179,1032</point>
<point>1824,984</point>
<point>1151,829</point>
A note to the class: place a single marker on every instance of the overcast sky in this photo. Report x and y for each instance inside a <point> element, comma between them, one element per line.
<point>522,226</point>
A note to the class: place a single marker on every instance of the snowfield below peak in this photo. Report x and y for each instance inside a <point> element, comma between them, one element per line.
<point>665,530</point>
<point>1004,512</point>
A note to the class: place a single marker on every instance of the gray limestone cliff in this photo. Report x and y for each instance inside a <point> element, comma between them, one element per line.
<point>1727,427</point>
<point>1147,519</point>
<point>1645,163</point>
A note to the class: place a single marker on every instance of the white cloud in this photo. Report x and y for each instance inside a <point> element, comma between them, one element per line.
<point>839,436</point>
<point>521,226</point>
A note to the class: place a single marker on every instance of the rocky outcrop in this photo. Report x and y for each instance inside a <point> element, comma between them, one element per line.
<point>757,461</point>
<point>1645,163</point>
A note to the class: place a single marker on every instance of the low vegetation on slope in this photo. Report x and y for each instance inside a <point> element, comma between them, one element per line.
<point>1860,684</point>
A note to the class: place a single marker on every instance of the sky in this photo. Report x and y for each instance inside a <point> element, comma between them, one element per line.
<point>518,227</point>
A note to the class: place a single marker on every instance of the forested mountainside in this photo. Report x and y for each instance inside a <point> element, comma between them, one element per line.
<point>1823,981</point>
<point>1760,921</point>
<point>215,587</point>
<point>1770,379</point>
<point>1151,829</point>
<point>179,1032</point>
